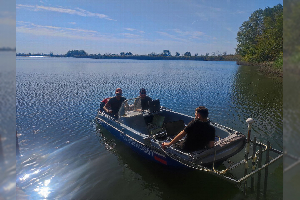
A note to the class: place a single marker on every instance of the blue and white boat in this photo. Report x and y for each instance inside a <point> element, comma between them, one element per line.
<point>145,131</point>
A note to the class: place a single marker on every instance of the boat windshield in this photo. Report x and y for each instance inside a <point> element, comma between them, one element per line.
<point>130,106</point>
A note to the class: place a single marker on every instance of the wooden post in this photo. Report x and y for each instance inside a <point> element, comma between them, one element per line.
<point>253,163</point>
<point>259,173</point>
<point>245,172</point>
<point>266,169</point>
<point>249,122</point>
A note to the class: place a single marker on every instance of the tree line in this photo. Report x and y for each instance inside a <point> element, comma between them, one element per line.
<point>166,55</point>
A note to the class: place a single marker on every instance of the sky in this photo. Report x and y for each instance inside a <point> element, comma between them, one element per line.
<point>137,26</point>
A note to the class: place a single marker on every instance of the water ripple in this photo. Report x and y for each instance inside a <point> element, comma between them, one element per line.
<point>57,100</point>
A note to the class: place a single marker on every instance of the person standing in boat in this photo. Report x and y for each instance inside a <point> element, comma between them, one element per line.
<point>199,133</point>
<point>143,100</point>
<point>113,105</point>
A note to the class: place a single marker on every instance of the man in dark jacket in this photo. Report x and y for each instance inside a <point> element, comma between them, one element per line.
<point>199,133</point>
<point>143,101</point>
<point>114,103</point>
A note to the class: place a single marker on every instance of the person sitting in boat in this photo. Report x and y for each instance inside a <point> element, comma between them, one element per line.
<point>113,105</point>
<point>199,133</point>
<point>103,103</point>
<point>143,100</point>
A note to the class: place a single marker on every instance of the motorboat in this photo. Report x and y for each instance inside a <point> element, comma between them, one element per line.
<point>145,131</point>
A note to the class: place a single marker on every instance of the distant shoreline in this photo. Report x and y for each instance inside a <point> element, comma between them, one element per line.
<point>142,57</point>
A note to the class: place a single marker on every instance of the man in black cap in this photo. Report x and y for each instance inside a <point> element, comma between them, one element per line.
<point>199,133</point>
<point>114,103</point>
<point>143,100</point>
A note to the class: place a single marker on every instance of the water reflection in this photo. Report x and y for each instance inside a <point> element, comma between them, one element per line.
<point>56,105</point>
<point>43,190</point>
<point>261,99</point>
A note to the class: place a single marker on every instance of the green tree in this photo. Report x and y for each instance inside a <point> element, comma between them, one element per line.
<point>261,37</point>
<point>166,53</point>
<point>187,53</point>
<point>76,53</point>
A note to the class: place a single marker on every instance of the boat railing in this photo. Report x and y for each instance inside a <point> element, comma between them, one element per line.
<point>255,154</point>
<point>253,160</point>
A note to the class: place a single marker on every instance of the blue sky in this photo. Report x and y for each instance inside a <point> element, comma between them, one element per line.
<point>137,26</point>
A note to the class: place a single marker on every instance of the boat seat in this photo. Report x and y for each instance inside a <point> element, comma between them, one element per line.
<point>157,124</point>
<point>136,121</point>
<point>158,120</point>
<point>221,144</point>
<point>174,127</point>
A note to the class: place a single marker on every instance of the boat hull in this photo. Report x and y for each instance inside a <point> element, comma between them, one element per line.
<point>137,146</point>
<point>140,141</point>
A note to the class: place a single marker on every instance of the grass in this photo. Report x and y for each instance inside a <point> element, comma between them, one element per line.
<point>278,63</point>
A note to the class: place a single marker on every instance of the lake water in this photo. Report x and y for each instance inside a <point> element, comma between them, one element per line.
<point>64,155</point>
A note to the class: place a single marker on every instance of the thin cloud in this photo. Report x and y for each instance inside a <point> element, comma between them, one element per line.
<point>230,30</point>
<point>76,11</point>
<point>130,29</point>
<point>240,11</point>
<point>168,35</point>
<point>81,34</point>
<point>208,12</point>
<point>78,34</point>
<point>209,8</point>
<point>53,31</point>
<point>194,22</point>
<point>129,35</point>
<point>45,1</point>
<point>134,30</point>
<point>192,34</point>
<point>184,36</point>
